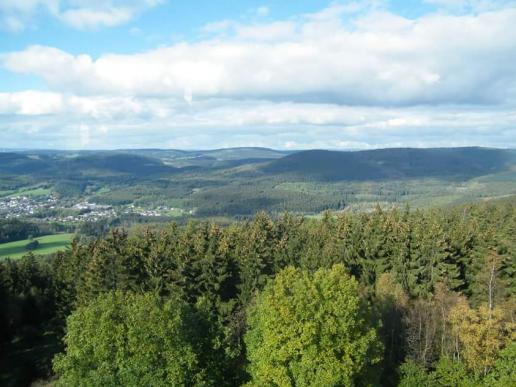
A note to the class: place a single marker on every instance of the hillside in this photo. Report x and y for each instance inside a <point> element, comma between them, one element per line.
<point>88,164</point>
<point>383,164</point>
<point>241,181</point>
<point>118,164</point>
<point>17,163</point>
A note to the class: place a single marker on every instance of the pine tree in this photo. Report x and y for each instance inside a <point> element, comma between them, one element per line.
<point>256,255</point>
<point>110,268</point>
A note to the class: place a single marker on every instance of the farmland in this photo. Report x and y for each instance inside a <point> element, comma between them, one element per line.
<point>47,245</point>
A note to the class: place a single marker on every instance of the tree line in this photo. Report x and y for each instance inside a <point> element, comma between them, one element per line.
<point>382,298</point>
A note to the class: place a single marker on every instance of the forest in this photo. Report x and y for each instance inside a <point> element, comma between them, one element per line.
<point>383,298</point>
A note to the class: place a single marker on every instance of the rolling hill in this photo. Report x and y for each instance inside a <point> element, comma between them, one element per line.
<point>92,164</point>
<point>384,164</point>
<point>241,181</point>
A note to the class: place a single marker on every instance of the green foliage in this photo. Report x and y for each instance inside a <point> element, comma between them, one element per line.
<point>504,374</point>
<point>311,330</point>
<point>14,230</point>
<point>257,252</point>
<point>413,374</point>
<point>391,304</point>
<point>122,339</point>
<point>451,373</point>
<point>27,342</point>
<point>32,245</point>
<point>414,267</point>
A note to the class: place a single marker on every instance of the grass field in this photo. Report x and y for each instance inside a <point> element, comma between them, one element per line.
<point>28,191</point>
<point>38,191</point>
<point>47,245</point>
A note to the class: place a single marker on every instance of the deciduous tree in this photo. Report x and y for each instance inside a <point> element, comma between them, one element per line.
<point>311,330</point>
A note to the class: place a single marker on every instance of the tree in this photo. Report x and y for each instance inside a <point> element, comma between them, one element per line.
<point>448,373</point>
<point>256,253</point>
<point>482,333</point>
<point>110,268</point>
<point>391,304</point>
<point>377,245</point>
<point>311,330</point>
<point>32,245</point>
<point>488,283</point>
<point>123,339</point>
<point>413,374</point>
<point>431,261</point>
<point>503,373</point>
<point>451,373</point>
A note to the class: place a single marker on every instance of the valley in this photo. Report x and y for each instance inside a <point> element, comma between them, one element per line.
<point>139,185</point>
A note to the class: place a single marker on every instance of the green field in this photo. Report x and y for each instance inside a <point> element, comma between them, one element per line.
<point>47,245</point>
<point>28,191</point>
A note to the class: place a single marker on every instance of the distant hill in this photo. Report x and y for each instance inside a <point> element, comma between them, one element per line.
<point>391,163</point>
<point>21,164</point>
<point>118,163</point>
<point>323,165</point>
<point>242,181</point>
<point>100,163</point>
<point>252,153</point>
<point>219,154</point>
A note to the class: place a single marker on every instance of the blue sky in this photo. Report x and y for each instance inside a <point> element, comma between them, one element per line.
<point>282,74</point>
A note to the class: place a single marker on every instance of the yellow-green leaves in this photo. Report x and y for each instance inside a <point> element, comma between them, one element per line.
<point>310,330</point>
<point>482,333</point>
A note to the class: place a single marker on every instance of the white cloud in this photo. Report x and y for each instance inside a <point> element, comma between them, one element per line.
<point>15,15</point>
<point>381,59</point>
<point>345,77</point>
<point>108,122</point>
<point>84,18</point>
<point>269,32</point>
<point>30,103</point>
<point>84,135</point>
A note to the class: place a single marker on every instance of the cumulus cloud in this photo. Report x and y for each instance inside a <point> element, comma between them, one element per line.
<point>30,103</point>
<point>346,77</point>
<point>15,15</point>
<point>87,18</point>
<point>107,122</point>
<point>379,59</point>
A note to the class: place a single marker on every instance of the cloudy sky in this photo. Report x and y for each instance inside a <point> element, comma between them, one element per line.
<point>283,74</point>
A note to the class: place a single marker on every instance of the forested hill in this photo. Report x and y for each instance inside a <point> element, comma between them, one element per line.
<point>394,163</point>
<point>314,164</point>
<point>57,165</point>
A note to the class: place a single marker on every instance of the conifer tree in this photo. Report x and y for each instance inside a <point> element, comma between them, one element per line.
<point>256,255</point>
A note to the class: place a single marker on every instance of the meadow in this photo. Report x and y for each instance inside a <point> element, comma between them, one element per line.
<point>47,245</point>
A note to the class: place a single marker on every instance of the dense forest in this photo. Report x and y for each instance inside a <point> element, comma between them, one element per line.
<point>400,297</point>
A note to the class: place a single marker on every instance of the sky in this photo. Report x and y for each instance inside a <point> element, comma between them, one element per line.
<point>112,74</point>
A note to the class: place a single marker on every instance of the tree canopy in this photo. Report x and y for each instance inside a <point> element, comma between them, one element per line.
<point>124,339</point>
<point>311,330</point>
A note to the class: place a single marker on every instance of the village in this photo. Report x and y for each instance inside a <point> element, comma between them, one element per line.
<point>51,209</point>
